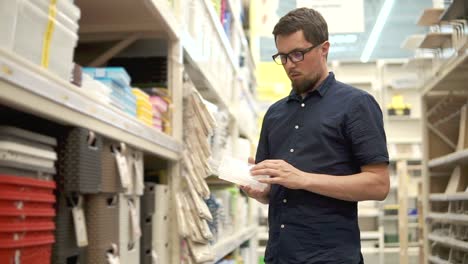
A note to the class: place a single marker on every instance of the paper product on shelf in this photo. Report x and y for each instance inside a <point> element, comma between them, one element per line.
<point>202,253</point>
<point>199,203</point>
<point>197,179</point>
<point>238,171</point>
<point>181,216</point>
<point>192,216</point>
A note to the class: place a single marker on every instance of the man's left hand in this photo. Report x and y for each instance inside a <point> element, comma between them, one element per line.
<point>280,172</point>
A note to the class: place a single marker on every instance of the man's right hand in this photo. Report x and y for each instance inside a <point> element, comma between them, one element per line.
<point>261,196</point>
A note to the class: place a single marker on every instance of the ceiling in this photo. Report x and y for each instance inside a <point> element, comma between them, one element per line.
<point>349,47</point>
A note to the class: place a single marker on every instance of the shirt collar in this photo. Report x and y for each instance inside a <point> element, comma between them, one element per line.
<point>321,90</point>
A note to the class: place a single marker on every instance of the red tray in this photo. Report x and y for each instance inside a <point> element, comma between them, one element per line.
<point>33,251</point>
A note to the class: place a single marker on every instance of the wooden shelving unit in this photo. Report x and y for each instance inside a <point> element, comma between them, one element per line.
<point>445,138</point>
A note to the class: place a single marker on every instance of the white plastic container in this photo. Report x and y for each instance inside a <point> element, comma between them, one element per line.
<point>25,25</point>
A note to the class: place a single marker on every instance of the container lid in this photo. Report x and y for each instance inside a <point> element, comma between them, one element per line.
<point>25,134</point>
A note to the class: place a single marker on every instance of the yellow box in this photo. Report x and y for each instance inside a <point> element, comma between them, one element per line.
<point>140,94</point>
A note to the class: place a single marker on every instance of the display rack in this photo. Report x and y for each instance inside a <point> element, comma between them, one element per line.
<point>211,60</point>
<point>444,137</point>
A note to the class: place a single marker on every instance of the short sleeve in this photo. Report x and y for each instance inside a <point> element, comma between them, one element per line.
<point>365,131</point>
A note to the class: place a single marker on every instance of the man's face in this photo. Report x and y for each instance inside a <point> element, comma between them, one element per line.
<point>304,74</point>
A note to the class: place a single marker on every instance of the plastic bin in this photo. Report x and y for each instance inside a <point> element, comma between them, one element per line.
<point>23,22</point>
<point>65,249</point>
<point>79,162</point>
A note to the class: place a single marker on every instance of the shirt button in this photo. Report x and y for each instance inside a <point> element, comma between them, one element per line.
<point>302,105</point>
<point>285,200</point>
<point>291,150</point>
<point>296,127</point>
<point>282,226</point>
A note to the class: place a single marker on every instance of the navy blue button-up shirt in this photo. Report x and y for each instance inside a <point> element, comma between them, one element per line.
<point>334,130</point>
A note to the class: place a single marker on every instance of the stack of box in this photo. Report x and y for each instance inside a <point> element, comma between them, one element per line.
<point>144,107</point>
<point>23,22</point>
<point>161,113</point>
<point>118,80</point>
<point>26,196</point>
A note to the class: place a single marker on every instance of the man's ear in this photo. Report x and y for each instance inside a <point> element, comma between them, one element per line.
<point>325,47</point>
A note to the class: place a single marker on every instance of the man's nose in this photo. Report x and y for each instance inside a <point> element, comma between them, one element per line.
<point>289,64</point>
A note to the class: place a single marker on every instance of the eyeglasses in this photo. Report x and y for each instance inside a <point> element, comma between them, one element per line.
<point>294,56</point>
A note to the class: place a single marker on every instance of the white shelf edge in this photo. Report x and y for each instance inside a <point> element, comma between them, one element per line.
<point>225,246</point>
<point>395,217</point>
<point>413,250</point>
<point>28,87</point>
<point>450,159</point>
<point>448,241</point>
<point>369,250</point>
<point>370,235</point>
<point>368,212</point>
<point>448,217</point>
<point>461,196</point>
<point>403,118</point>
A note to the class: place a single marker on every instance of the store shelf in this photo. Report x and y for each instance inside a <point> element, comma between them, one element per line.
<point>370,235</point>
<point>413,249</point>
<point>118,18</point>
<point>220,33</point>
<point>263,236</point>
<point>395,217</point>
<point>412,42</point>
<point>451,77</point>
<point>448,217</point>
<point>436,40</point>
<point>370,250</point>
<point>437,260</point>
<point>368,212</point>
<point>430,17</point>
<point>395,247</point>
<point>450,160</point>
<point>418,63</point>
<point>27,87</point>
<point>461,196</point>
<point>448,241</point>
<point>225,246</point>
<point>403,118</point>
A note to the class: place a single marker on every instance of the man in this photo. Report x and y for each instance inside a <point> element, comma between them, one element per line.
<point>324,147</point>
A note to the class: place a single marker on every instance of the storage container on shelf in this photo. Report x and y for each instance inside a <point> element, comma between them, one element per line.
<point>24,22</point>
<point>26,219</point>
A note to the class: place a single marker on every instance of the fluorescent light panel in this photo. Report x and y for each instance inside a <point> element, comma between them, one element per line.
<point>377,30</point>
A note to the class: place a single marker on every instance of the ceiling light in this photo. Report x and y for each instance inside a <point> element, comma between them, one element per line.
<point>377,30</point>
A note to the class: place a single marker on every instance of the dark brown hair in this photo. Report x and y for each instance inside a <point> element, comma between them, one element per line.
<point>310,21</point>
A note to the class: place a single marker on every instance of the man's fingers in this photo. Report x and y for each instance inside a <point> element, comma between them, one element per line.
<point>251,160</point>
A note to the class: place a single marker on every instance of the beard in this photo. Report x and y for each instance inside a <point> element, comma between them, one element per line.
<point>303,86</point>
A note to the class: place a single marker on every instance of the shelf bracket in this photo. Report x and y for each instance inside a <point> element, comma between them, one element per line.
<point>439,104</point>
<point>121,45</point>
<point>442,136</point>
